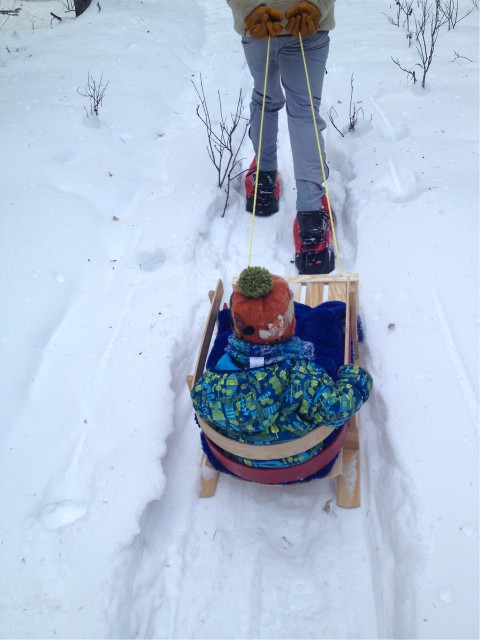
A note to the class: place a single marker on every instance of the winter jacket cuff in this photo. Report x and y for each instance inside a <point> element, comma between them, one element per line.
<point>358,378</point>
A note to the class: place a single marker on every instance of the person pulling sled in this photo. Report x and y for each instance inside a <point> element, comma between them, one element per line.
<point>280,22</point>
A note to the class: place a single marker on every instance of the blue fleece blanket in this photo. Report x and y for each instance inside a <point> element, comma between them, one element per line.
<point>324,326</point>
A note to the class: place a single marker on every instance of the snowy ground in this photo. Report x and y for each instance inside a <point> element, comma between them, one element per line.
<point>112,236</point>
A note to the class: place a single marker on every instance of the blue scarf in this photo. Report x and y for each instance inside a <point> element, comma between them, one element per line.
<point>265,354</point>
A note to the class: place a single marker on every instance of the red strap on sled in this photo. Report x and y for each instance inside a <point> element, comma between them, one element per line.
<point>282,474</point>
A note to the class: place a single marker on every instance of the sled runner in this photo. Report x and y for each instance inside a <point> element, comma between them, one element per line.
<point>339,457</point>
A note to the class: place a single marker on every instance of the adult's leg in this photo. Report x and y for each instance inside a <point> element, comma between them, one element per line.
<point>308,172</point>
<point>255,54</point>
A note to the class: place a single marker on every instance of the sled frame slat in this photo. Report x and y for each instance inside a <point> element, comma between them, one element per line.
<point>208,478</point>
<point>348,482</point>
<point>208,475</point>
<point>215,302</point>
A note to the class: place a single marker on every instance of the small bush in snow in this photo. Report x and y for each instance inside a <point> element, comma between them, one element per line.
<point>94,91</point>
<point>403,15</point>
<point>427,17</point>
<point>224,138</point>
<point>354,113</point>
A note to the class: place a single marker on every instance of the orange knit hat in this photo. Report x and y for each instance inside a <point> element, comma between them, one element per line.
<point>262,307</point>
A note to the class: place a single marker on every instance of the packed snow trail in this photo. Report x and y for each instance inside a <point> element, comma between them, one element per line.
<point>243,539</point>
<point>254,561</point>
<point>108,252</point>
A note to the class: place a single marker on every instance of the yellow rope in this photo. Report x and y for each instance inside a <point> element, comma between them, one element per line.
<point>259,155</point>
<point>321,159</point>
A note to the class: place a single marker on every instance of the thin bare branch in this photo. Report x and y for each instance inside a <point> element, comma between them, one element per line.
<point>224,140</point>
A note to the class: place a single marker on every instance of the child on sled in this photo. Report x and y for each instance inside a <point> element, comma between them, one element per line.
<point>265,384</point>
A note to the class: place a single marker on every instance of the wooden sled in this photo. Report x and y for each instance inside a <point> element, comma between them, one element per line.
<point>311,290</point>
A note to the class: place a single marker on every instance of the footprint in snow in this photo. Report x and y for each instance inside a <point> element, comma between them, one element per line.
<point>61,514</point>
<point>399,182</point>
<point>151,261</point>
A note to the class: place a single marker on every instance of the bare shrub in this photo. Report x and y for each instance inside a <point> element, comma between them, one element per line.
<point>410,72</point>
<point>427,18</point>
<point>95,92</point>
<point>225,138</point>
<point>450,11</point>
<point>354,112</point>
<point>427,29</point>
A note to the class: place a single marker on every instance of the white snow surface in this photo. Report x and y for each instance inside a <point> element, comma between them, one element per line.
<point>112,236</point>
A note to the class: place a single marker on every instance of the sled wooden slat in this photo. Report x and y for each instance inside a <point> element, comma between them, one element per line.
<point>354,307</point>
<point>208,479</point>
<point>311,290</point>
<point>209,476</point>
<point>215,301</point>
<point>267,451</point>
<point>314,294</point>
<point>348,482</point>
<point>325,278</point>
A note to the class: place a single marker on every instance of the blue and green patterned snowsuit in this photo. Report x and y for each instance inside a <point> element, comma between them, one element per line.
<point>278,402</point>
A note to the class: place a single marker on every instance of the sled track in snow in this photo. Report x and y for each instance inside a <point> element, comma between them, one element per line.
<point>197,565</point>
<point>191,556</point>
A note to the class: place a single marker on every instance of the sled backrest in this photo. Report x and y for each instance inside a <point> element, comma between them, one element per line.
<point>312,290</point>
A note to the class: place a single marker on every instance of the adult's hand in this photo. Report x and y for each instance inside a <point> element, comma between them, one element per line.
<point>264,22</point>
<point>303,18</point>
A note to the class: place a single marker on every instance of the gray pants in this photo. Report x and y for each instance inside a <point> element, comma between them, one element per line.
<point>286,68</point>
